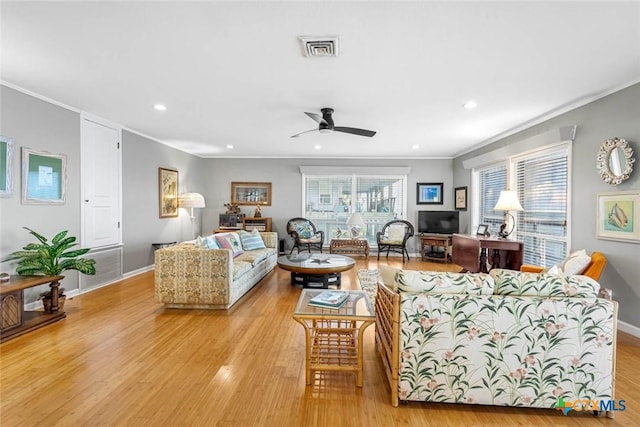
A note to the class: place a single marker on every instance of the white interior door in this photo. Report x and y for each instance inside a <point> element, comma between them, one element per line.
<point>101,195</point>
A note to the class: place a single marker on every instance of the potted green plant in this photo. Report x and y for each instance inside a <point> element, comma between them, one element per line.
<point>51,259</point>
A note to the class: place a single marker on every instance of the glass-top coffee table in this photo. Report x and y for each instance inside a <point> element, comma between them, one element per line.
<point>334,336</point>
<point>315,270</point>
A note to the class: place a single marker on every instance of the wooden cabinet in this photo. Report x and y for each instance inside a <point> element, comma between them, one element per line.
<point>14,321</point>
<point>261,224</point>
<point>435,247</point>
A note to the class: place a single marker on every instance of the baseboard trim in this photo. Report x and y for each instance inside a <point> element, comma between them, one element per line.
<point>138,271</point>
<point>629,329</point>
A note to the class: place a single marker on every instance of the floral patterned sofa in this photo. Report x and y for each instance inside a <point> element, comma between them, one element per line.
<point>504,338</point>
<point>188,276</point>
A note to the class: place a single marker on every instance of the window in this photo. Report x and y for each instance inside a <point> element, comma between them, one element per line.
<point>541,181</point>
<point>491,181</point>
<point>330,199</point>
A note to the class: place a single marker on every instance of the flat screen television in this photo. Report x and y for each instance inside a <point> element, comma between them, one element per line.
<point>438,222</point>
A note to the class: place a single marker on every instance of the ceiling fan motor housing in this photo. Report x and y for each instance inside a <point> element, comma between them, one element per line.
<point>326,116</point>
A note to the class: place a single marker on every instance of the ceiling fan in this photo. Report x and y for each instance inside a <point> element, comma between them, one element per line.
<point>325,125</point>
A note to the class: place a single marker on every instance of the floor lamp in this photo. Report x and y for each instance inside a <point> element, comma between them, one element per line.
<point>191,201</point>
<point>508,201</point>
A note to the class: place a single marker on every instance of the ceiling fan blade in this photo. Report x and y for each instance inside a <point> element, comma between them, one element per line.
<point>297,135</point>
<point>317,117</point>
<point>355,131</point>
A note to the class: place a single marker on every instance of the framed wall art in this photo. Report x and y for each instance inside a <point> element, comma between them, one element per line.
<point>251,193</point>
<point>44,177</point>
<point>168,192</point>
<point>460,198</point>
<point>6,169</point>
<point>618,216</point>
<point>429,193</point>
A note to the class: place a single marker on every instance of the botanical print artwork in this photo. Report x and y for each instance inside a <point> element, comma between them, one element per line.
<point>168,183</point>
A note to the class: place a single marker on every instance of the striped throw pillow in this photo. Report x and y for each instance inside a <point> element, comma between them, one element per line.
<point>251,241</point>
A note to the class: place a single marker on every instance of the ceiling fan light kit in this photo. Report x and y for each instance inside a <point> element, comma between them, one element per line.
<point>326,125</point>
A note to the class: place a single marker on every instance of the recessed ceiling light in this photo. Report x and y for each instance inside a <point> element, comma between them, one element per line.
<point>415,146</point>
<point>317,147</point>
<point>160,107</point>
<point>230,147</point>
<point>470,105</point>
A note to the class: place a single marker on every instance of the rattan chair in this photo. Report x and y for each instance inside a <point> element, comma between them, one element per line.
<point>394,236</point>
<point>304,235</point>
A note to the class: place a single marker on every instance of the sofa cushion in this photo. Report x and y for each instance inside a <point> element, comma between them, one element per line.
<point>230,241</point>
<point>240,268</point>
<point>444,282</point>
<point>254,257</point>
<point>251,240</point>
<point>388,275</point>
<point>509,282</point>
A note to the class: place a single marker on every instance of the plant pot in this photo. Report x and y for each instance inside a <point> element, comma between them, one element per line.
<point>46,302</point>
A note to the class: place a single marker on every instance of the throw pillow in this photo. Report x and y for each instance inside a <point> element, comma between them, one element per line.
<point>199,242</point>
<point>251,241</point>
<point>396,233</point>
<point>388,275</point>
<point>210,242</point>
<point>576,263</point>
<point>230,241</point>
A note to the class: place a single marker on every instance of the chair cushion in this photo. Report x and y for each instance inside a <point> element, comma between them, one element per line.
<point>312,239</point>
<point>304,230</point>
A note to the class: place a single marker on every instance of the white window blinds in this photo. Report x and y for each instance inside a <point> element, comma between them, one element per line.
<point>491,180</point>
<point>541,180</point>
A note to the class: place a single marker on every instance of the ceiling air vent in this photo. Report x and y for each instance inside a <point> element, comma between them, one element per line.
<point>319,46</point>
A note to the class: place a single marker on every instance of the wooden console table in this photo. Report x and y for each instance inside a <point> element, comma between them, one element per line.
<point>471,253</point>
<point>349,246</point>
<point>430,241</point>
<point>14,321</point>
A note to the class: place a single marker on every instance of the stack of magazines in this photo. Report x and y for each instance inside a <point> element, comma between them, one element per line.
<point>329,299</point>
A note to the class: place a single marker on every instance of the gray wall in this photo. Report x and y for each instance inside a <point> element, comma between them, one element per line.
<point>284,174</point>
<point>142,225</point>
<point>41,125</point>
<point>617,115</point>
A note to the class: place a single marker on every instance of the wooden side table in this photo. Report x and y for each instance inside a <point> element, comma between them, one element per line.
<point>334,337</point>
<point>428,243</point>
<point>14,321</point>
<point>349,246</point>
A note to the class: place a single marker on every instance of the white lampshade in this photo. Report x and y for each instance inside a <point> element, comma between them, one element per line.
<point>355,219</point>
<point>191,200</point>
<point>508,201</point>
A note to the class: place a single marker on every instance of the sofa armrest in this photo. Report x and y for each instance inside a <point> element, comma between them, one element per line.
<point>388,335</point>
<point>270,238</point>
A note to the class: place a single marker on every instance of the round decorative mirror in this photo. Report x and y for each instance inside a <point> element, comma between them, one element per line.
<point>615,161</point>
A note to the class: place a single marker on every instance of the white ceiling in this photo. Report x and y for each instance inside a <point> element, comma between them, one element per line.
<point>233,72</point>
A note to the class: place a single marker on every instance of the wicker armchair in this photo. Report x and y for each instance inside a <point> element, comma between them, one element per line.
<point>393,237</point>
<point>304,235</point>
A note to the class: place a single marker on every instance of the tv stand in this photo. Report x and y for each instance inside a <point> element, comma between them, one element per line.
<point>435,247</point>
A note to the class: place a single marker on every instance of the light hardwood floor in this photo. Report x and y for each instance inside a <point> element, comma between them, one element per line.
<point>119,358</point>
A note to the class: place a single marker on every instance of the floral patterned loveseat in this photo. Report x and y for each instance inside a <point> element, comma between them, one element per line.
<point>187,276</point>
<point>504,338</point>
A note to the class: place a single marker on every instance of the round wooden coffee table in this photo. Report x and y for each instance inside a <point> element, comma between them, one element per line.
<point>315,270</point>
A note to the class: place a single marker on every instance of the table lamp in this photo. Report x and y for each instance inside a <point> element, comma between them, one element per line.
<point>355,222</point>
<point>508,201</point>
